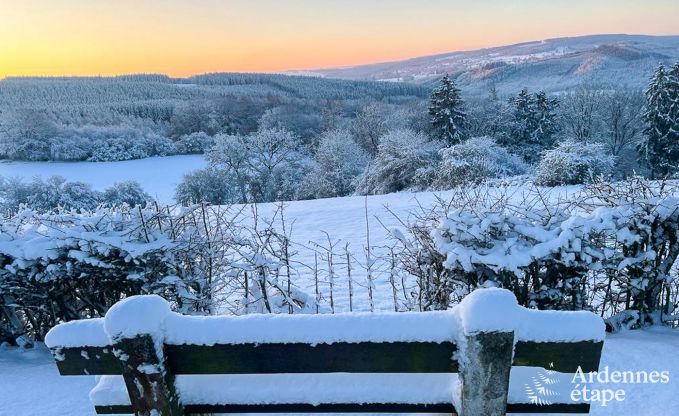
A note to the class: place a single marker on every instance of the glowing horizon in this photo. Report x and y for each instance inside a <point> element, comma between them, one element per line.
<point>181,38</point>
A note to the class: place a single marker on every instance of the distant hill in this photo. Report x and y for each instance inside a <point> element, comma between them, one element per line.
<point>553,64</point>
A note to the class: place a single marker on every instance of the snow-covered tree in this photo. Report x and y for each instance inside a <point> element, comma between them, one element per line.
<point>266,165</point>
<point>533,124</point>
<point>25,134</point>
<point>581,113</point>
<point>405,160</point>
<point>368,126</point>
<point>571,163</point>
<point>230,154</point>
<point>621,114</point>
<point>660,149</point>
<point>277,165</point>
<point>447,112</point>
<point>473,161</point>
<point>209,185</point>
<point>338,161</point>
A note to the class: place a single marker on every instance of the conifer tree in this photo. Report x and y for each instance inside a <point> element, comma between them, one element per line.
<point>660,150</point>
<point>534,124</point>
<point>545,118</point>
<point>447,112</point>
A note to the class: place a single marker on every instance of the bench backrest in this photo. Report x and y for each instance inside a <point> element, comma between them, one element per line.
<point>413,351</point>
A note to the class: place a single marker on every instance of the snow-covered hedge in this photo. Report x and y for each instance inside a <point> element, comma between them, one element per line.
<point>65,266</point>
<point>547,254</point>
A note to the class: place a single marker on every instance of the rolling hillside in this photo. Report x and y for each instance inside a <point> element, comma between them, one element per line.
<point>552,64</point>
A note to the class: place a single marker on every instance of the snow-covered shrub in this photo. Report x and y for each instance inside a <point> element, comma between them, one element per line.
<point>194,143</point>
<point>63,265</point>
<point>130,145</point>
<point>209,185</point>
<point>55,192</point>
<point>126,192</point>
<point>45,195</point>
<point>572,163</point>
<point>405,160</point>
<point>337,163</point>
<point>474,161</point>
<point>70,148</point>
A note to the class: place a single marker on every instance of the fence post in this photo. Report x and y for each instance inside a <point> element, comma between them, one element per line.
<point>485,373</point>
<point>149,384</point>
<point>134,326</point>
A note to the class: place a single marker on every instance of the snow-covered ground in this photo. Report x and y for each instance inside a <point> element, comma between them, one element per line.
<point>157,175</point>
<point>30,384</point>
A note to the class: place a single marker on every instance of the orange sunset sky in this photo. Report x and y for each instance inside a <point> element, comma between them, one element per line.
<point>184,37</point>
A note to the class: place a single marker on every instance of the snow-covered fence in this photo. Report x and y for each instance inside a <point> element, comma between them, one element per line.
<point>455,361</point>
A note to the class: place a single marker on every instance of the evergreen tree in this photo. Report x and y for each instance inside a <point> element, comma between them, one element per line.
<point>533,124</point>
<point>447,112</point>
<point>660,150</point>
<point>545,116</point>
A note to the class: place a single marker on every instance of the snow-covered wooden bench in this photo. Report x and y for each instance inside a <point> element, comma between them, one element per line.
<point>457,361</point>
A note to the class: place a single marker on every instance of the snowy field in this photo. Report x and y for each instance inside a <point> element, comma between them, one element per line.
<point>157,175</point>
<point>32,386</point>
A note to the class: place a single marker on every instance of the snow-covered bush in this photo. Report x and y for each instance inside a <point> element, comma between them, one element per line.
<point>126,192</point>
<point>338,161</point>
<point>55,192</point>
<point>474,161</point>
<point>194,143</point>
<point>573,163</point>
<point>405,160</point>
<point>131,145</point>
<point>209,185</point>
<point>45,195</point>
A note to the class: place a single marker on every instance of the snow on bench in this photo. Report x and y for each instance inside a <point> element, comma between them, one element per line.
<point>455,361</point>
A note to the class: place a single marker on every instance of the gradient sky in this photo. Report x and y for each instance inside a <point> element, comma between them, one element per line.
<point>184,37</point>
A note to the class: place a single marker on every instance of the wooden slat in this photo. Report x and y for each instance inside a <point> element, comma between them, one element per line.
<point>366,357</point>
<point>579,408</point>
<point>559,356</point>
<point>568,408</point>
<point>302,408</point>
<point>88,361</point>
